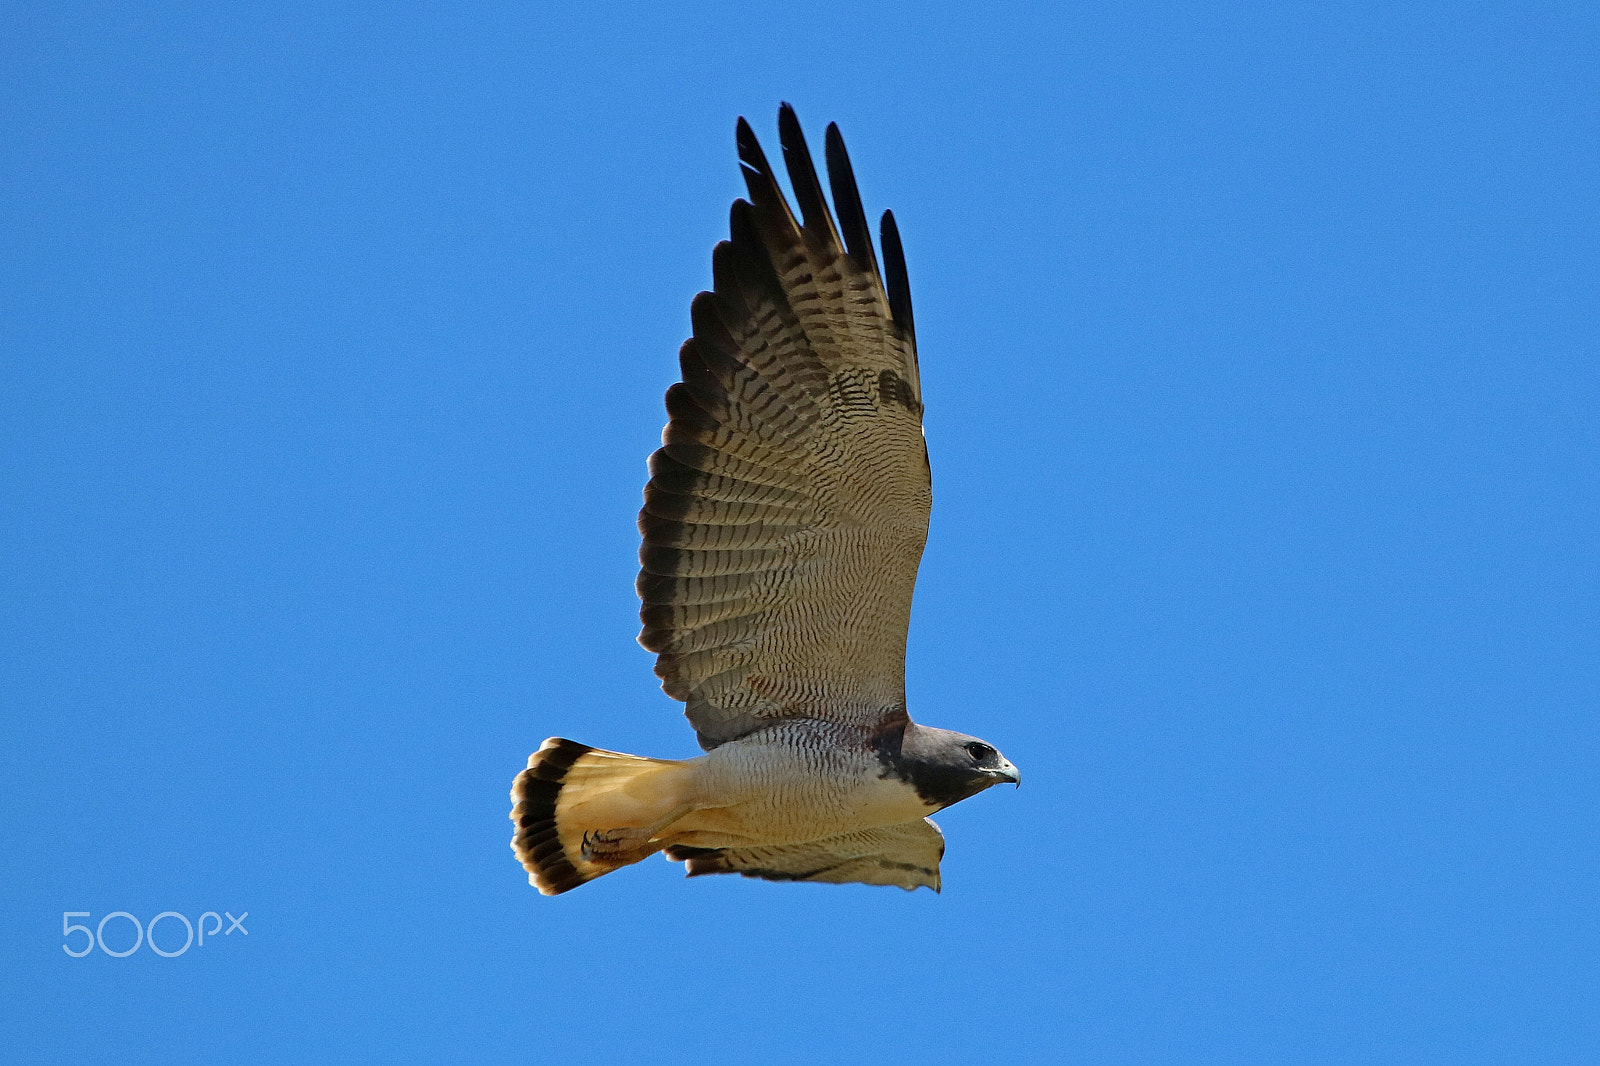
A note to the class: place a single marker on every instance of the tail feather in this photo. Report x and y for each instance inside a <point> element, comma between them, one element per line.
<point>537,841</point>
<point>570,792</point>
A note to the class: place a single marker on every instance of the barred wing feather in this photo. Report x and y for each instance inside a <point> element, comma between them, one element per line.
<point>906,854</point>
<point>787,508</point>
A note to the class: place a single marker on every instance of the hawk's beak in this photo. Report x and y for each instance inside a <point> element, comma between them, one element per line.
<point>1008,772</point>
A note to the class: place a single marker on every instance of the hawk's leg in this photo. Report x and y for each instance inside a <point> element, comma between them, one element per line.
<point>615,845</point>
<point>622,846</point>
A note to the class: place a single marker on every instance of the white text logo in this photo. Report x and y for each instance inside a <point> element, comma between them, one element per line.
<point>194,933</point>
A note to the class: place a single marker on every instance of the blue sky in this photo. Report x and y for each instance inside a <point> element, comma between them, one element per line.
<point>1259,353</point>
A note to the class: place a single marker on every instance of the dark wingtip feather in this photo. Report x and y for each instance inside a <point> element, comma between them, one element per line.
<point>803,176</point>
<point>750,153</point>
<point>847,201</point>
<point>762,183</point>
<point>758,177</point>
<point>895,280</point>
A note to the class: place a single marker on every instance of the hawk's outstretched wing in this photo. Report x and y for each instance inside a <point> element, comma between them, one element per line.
<point>786,513</point>
<point>906,854</point>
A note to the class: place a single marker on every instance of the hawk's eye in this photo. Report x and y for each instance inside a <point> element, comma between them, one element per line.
<point>979,752</point>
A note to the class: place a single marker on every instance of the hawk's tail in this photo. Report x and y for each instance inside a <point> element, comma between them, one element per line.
<point>581,812</point>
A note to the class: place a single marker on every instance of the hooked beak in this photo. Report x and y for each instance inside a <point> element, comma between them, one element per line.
<point>1007,772</point>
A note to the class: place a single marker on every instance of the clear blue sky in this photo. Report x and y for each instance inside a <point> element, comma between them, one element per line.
<point>1259,347</point>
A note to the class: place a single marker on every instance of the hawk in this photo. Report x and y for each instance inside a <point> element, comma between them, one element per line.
<point>783,521</point>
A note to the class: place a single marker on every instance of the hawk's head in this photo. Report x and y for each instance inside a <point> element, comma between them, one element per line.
<point>943,766</point>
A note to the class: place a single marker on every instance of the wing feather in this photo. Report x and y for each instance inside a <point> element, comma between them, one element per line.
<point>894,259</point>
<point>803,178</point>
<point>906,855</point>
<point>847,199</point>
<point>787,508</point>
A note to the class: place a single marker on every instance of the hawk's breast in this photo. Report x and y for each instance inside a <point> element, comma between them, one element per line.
<point>792,783</point>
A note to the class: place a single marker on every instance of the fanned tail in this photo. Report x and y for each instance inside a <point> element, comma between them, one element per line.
<point>581,812</point>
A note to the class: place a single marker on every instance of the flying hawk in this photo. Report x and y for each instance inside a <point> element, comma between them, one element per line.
<point>782,523</point>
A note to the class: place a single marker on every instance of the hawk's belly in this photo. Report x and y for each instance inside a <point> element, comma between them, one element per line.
<point>790,788</point>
